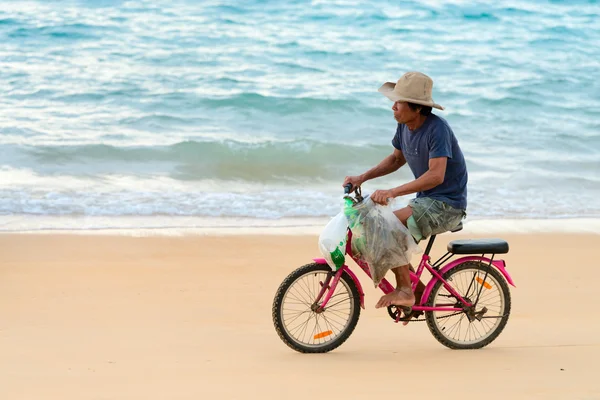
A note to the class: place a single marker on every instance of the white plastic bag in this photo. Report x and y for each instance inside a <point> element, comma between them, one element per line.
<point>381,239</point>
<point>332,241</point>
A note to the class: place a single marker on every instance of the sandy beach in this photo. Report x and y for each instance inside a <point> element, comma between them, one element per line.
<point>165,165</point>
<point>117,317</point>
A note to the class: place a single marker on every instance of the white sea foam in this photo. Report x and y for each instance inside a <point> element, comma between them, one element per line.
<point>182,226</point>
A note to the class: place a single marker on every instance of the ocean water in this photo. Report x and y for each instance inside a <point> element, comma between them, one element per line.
<point>258,109</point>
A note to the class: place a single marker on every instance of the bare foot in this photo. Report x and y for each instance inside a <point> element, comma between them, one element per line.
<point>398,297</point>
<point>412,314</point>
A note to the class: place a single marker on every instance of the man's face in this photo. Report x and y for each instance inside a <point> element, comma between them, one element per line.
<point>403,113</point>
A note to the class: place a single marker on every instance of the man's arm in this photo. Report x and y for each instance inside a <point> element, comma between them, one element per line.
<point>430,179</point>
<point>391,163</point>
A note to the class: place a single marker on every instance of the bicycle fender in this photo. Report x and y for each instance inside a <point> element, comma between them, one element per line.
<point>352,275</point>
<point>499,264</point>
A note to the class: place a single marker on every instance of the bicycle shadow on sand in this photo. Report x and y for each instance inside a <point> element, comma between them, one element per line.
<point>427,355</point>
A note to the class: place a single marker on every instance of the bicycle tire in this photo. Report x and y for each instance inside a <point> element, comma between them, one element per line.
<point>278,321</point>
<point>504,289</point>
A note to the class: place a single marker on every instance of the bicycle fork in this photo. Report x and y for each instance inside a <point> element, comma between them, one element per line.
<point>331,282</point>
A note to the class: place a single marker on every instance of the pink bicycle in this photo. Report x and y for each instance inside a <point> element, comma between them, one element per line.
<point>466,302</point>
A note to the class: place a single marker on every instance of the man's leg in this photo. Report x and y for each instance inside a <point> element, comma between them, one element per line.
<point>420,286</point>
<point>403,295</point>
<point>403,215</point>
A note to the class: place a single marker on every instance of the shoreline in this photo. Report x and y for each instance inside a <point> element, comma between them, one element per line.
<point>192,226</point>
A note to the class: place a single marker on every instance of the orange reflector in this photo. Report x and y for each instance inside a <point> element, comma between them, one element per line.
<point>485,284</point>
<point>323,334</point>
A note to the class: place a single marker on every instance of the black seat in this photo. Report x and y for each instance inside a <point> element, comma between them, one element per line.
<point>478,246</point>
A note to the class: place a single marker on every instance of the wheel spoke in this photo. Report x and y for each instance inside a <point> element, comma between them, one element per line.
<point>303,331</point>
<point>301,326</point>
<point>475,329</point>
<point>328,325</point>
<point>339,302</point>
<point>288,321</point>
<point>303,285</point>
<point>334,324</point>
<point>299,296</point>
<point>456,326</point>
<point>337,313</point>
<point>312,334</point>
<point>337,319</point>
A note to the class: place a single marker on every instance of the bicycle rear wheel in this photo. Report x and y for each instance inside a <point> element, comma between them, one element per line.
<point>297,321</point>
<point>463,329</point>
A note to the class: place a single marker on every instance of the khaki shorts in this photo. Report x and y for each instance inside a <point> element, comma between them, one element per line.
<point>432,217</point>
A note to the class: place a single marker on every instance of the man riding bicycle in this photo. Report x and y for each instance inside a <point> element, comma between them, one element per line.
<point>427,144</point>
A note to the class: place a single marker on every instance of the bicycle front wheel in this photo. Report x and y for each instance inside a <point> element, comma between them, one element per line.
<point>297,319</point>
<point>479,326</point>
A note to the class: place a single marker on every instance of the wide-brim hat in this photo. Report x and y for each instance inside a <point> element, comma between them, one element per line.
<point>412,87</point>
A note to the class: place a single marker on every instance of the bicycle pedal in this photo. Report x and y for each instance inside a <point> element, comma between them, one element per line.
<point>407,312</point>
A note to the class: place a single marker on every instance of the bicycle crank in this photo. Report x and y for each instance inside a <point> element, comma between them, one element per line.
<point>402,313</point>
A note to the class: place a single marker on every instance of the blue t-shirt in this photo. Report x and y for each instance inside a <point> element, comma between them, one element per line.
<point>435,139</point>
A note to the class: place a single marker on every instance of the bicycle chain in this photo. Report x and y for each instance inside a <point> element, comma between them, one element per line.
<point>446,316</point>
<point>421,320</point>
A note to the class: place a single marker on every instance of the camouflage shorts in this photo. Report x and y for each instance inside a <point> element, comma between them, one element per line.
<point>432,217</point>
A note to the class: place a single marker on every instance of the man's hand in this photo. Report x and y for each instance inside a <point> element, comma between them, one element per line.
<point>382,196</point>
<point>354,181</point>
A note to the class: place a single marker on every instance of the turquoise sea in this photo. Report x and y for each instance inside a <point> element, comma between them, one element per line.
<point>259,109</point>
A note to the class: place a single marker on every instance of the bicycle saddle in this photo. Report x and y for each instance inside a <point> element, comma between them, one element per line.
<point>478,246</point>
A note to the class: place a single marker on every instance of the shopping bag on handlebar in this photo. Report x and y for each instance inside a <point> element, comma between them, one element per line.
<point>332,241</point>
<point>379,238</point>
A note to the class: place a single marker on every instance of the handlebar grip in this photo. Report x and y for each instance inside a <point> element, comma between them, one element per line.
<point>348,188</point>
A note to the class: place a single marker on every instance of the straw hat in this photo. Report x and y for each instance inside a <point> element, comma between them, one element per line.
<point>413,87</point>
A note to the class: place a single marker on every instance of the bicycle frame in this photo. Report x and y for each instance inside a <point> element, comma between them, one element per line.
<point>437,275</point>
